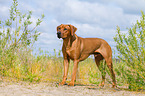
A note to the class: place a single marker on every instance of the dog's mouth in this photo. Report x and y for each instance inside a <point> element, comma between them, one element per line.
<point>59,35</point>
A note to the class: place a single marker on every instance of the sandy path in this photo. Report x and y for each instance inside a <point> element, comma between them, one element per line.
<point>47,89</point>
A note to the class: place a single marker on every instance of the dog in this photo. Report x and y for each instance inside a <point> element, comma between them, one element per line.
<point>78,49</point>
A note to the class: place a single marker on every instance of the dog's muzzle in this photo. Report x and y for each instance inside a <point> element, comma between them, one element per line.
<point>59,35</point>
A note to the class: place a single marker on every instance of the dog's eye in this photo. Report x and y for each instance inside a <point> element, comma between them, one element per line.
<point>65,29</point>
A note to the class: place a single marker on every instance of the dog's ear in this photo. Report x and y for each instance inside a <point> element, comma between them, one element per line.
<point>72,29</point>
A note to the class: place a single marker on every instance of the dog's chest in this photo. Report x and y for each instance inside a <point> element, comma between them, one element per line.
<point>73,53</point>
<point>70,53</point>
<point>73,49</point>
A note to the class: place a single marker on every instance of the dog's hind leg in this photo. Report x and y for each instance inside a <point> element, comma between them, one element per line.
<point>110,66</point>
<point>98,58</point>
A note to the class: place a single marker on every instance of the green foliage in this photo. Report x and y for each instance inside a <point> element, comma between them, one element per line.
<point>17,37</point>
<point>131,47</point>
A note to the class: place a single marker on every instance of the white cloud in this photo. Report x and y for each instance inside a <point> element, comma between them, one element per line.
<point>132,6</point>
<point>47,42</point>
<point>47,36</point>
<point>90,13</point>
<point>4,12</point>
<point>4,9</point>
<point>128,6</point>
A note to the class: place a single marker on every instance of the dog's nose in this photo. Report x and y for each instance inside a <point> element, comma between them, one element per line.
<point>59,34</point>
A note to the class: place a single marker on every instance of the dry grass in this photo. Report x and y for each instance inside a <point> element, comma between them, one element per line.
<point>45,69</point>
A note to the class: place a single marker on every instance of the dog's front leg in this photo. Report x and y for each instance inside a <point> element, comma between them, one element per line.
<point>74,73</point>
<point>66,66</point>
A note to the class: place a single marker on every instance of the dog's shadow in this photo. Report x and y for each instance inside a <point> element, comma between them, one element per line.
<point>94,87</point>
<point>66,84</point>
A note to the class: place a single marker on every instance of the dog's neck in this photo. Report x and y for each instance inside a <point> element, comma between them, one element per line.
<point>67,42</point>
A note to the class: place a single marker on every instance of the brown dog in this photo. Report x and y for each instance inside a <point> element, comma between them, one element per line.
<point>78,49</point>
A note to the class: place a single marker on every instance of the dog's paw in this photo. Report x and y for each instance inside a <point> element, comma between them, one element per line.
<point>71,84</point>
<point>62,83</point>
<point>114,86</point>
<point>101,85</point>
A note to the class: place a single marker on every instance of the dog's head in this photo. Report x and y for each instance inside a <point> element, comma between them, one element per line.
<point>64,31</point>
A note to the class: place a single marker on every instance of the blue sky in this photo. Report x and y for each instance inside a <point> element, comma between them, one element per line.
<point>93,18</point>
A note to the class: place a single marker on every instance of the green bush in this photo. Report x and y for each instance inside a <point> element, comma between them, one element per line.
<point>17,37</point>
<point>131,48</point>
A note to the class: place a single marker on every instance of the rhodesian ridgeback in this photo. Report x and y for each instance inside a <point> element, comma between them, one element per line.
<point>78,49</point>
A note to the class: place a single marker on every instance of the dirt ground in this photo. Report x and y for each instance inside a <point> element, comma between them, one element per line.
<point>52,89</point>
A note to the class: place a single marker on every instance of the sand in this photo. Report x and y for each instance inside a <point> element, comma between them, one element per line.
<point>52,89</point>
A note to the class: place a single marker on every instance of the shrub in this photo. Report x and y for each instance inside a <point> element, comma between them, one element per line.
<point>131,48</point>
<point>17,37</point>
